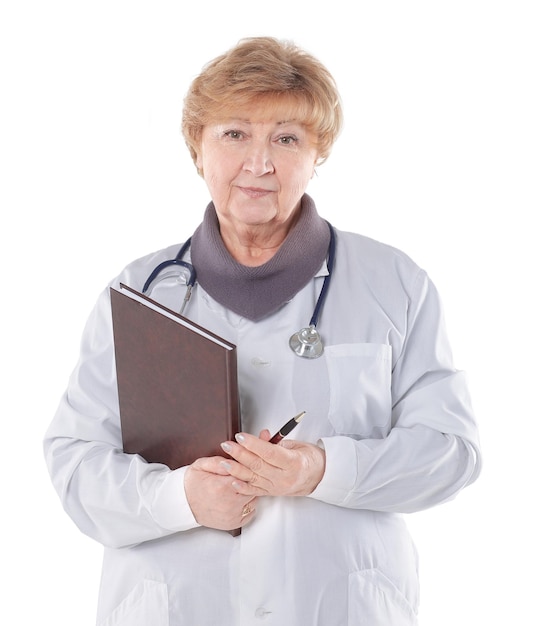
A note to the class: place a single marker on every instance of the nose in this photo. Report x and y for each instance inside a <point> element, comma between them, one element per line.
<point>258,159</point>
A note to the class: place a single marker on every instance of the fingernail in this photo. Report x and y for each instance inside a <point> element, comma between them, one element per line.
<point>225,446</point>
<point>226,465</point>
<point>240,438</point>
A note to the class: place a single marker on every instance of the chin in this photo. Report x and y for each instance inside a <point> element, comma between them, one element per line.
<point>256,216</point>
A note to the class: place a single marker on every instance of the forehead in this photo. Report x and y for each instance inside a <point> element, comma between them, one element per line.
<point>269,109</point>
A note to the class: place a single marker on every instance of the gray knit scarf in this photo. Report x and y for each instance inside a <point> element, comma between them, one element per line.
<point>255,292</point>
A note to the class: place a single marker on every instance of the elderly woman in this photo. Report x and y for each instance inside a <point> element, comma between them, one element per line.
<point>389,428</point>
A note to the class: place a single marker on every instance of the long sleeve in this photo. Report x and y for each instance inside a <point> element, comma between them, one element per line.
<point>116,498</point>
<point>431,451</point>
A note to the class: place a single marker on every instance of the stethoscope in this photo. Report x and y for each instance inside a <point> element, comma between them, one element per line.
<point>306,342</point>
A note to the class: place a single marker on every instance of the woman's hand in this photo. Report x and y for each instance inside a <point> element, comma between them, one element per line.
<point>289,468</point>
<point>214,503</point>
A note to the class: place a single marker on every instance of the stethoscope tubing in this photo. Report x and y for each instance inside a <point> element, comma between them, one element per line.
<point>311,330</point>
<point>176,261</point>
<point>325,287</point>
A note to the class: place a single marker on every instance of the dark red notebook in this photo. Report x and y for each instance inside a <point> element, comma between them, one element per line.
<point>177,382</point>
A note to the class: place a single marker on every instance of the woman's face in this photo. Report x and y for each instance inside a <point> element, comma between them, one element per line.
<point>257,167</point>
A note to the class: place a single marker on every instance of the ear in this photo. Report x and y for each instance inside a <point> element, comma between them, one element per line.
<point>314,166</point>
<point>198,161</point>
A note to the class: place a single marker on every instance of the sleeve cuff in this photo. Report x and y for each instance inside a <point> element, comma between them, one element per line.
<point>170,507</point>
<point>340,473</point>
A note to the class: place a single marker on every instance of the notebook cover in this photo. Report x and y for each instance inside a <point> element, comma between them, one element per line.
<point>177,389</point>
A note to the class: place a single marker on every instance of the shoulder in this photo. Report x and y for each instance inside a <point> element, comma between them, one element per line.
<point>375,260</point>
<point>134,274</point>
<point>372,271</point>
<point>137,271</point>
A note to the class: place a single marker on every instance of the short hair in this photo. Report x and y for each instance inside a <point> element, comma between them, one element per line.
<point>268,72</point>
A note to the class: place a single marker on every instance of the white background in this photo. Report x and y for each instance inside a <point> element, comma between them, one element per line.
<point>440,156</point>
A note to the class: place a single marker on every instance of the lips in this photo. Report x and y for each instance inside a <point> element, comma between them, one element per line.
<point>255,192</point>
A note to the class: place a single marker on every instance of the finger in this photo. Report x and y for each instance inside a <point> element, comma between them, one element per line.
<point>215,465</point>
<point>261,449</point>
<point>265,435</point>
<point>248,489</point>
<point>248,466</point>
<point>248,510</point>
<point>244,457</point>
<point>245,481</point>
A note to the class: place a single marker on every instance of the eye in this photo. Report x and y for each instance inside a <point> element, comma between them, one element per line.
<point>287,140</point>
<point>233,134</point>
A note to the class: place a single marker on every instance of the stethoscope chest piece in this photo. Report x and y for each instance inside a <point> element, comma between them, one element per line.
<point>307,343</point>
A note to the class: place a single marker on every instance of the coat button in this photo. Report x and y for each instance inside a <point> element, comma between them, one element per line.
<point>261,612</point>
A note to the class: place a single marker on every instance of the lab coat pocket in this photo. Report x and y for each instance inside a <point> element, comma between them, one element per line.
<point>360,389</point>
<point>146,604</point>
<point>373,600</point>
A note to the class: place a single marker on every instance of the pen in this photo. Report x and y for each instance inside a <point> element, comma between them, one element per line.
<point>287,428</point>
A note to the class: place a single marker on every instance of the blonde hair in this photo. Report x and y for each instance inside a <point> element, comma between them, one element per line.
<point>266,72</point>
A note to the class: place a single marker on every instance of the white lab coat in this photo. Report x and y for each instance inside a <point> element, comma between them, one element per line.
<point>384,401</point>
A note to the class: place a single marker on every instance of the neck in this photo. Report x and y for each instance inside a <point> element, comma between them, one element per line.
<point>254,245</point>
<point>256,289</point>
